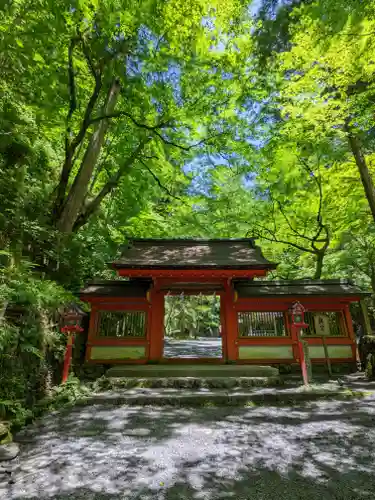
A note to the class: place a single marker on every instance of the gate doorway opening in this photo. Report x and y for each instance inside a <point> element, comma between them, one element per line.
<point>192,326</point>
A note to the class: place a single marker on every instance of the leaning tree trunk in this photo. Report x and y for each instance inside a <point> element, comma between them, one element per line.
<point>111,184</point>
<point>79,189</point>
<point>364,172</point>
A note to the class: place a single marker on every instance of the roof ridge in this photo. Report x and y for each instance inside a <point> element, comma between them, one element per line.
<point>300,281</point>
<point>190,240</point>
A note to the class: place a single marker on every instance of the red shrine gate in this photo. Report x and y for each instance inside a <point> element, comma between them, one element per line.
<point>127,316</point>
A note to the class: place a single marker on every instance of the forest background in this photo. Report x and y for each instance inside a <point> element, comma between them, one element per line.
<point>155,118</point>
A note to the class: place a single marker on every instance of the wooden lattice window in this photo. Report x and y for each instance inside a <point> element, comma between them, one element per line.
<point>261,324</point>
<point>122,324</point>
<point>325,323</point>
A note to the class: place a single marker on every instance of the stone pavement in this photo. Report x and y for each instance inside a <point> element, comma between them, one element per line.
<point>202,347</point>
<point>316,450</point>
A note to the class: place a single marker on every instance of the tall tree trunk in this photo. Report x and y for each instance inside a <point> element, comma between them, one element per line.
<point>63,182</point>
<point>319,265</point>
<point>364,172</point>
<point>79,188</point>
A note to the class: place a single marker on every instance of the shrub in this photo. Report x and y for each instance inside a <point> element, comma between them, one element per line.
<point>31,345</point>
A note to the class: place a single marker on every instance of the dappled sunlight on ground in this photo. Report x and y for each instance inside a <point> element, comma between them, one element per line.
<point>203,347</point>
<point>318,450</point>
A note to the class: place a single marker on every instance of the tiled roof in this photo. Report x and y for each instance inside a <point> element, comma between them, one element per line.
<point>116,288</point>
<point>193,254</point>
<point>305,287</point>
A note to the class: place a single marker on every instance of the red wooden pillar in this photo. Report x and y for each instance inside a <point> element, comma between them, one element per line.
<point>231,324</point>
<point>156,337</point>
<point>67,358</point>
<point>223,327</point>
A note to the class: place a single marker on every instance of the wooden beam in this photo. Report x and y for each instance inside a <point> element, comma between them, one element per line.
<point>283,303</point>
<point>192,274</point>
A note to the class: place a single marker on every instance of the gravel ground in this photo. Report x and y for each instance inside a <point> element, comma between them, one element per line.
<point>321,450</point>
<point>202,347</point>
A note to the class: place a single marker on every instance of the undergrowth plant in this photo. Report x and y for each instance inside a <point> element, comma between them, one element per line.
<point>31,345</point>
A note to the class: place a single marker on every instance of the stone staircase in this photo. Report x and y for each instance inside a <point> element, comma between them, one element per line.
<point>209,385</point>
<point>192,370</point>
<point>182,384</point>
<point>191,377</point>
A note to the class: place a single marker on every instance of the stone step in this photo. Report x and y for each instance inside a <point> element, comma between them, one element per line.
<point>191,370</point>
<point>231,382</point>
<point>219,397</point>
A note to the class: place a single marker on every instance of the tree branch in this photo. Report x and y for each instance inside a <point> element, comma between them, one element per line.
<point>159,181</point>
<point>154,129</point>
<point>319,217</point>
<point>363,270</point>
<point>118,114</point>
<point>319,253</point>
<point>71,82</point>
<point>158,42</point>
<point>186,148</point>
<point>72,107</point>
<point>87,55</point>
<point>109,186</point>
<point>273,238</point>
<point>356,34</point>
<point>319,184</point>
<point>308,238</point>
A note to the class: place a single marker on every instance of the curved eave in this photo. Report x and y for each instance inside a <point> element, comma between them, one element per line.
<point>267,266</point>
<point>352,296</point>
<point>341,297</point>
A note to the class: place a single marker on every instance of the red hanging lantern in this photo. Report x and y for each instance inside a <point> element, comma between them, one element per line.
<point>72,324</point>
<point>71,320</point>
<point>298,315</point>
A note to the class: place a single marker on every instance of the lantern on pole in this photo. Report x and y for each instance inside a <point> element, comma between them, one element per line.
<point>71,320</point>
<point>298,316</point>
<point>298,323</point>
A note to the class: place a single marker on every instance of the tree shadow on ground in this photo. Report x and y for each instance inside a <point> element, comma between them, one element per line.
<point>193,348</point>
<point>317,450</point>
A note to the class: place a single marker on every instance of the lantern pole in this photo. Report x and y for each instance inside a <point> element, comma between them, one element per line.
<point>67,357</point>
<point>298,324</point>
<point>71,319</point>
<point>302,344</point>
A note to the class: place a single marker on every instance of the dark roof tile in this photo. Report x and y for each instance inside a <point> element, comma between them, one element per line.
<point>338,287</point>
<point>116,288</point>
<point>193,254</point>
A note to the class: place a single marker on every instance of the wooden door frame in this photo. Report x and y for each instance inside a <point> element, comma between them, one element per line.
<point>223,329</point>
